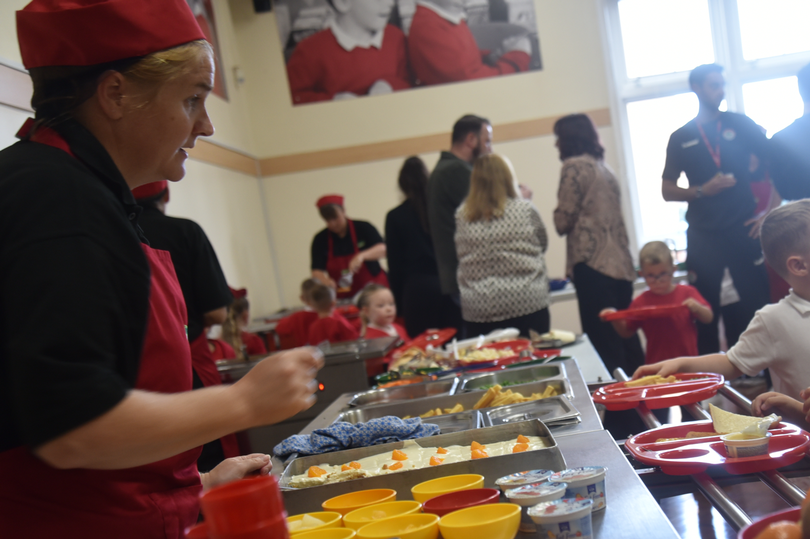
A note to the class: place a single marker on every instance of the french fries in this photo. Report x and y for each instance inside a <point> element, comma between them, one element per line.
<point>438,411</point>
<point>495,396</point>
<point>652,380</point>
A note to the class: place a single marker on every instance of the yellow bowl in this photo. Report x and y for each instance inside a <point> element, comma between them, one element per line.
<point>347,503</point>
<point>366,515</point>
<point>495,521</point>
<point>330,519</point>
<point>329,533</point>
<point>444,485</point>
<point>416,526</point>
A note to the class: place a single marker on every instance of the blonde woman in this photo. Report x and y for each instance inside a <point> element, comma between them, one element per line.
<point>500,242</point>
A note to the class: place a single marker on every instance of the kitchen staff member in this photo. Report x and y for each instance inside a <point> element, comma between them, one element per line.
<point>99,432</point>
<point>205,291</point>
<point>345,254</point>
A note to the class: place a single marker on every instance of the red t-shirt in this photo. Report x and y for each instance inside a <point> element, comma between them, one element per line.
<point>374,333</point>
<point>221,349</point>
<point>253,344</point>
<point>296,326</point>
<point>380,365</point>
<point>670,337</point>
<point>333,328</point>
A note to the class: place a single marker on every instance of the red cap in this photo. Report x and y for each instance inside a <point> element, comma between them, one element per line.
<point>330,199</point>
<point>240,293</point>
<point>150,190</point>
<point>89,32</point>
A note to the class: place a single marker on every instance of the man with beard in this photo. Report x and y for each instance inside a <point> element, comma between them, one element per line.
<point>448,186</point>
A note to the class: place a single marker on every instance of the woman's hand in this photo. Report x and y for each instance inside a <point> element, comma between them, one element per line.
<point>236,468</point>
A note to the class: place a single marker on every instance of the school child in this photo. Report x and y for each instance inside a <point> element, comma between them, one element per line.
<point>778,337</point>
<point>377,314</point>
<point>244,343</point>
<point>671,336</point>
<point>359,53</point>
<point>293,330</point>
<point>331,325</point>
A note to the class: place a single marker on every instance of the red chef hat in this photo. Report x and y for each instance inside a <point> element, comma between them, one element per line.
<point>89,32</point>
<point>150,190</point>
<point>240,293</point>
<point>330,199</point>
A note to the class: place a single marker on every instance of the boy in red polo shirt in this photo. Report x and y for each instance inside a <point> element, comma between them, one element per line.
<point>330,325</point>
<point>293,330</point>
<point>359,53</point>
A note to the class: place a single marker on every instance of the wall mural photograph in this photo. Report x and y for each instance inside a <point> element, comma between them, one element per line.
<point>344,49</point>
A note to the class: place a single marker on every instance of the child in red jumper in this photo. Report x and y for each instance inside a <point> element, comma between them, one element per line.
<point>293,330</point>
<point>442,48</point>
<point>377,313</point>
<point>668,337</point>
<point>358,54</point>
<point>330,325</point>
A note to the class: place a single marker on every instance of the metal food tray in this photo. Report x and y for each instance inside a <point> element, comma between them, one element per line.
<point>553,411</point>
<point>304,500</point>
<point>407,392</point>
<point>521,375</point>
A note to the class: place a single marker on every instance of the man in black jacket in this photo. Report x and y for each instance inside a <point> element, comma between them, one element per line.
<point>790,150</point>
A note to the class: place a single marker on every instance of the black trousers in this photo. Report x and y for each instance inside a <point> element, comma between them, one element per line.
<point>540,321</point>
<point>425,307</point>
<point>709,253</point>
<point>596,291</point>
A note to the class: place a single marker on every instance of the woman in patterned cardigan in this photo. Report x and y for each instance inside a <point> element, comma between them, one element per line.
<point>500,241</point>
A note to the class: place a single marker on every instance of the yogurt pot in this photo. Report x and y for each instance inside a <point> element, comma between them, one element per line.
<point>515,480</point>
<point>530,495</point>
<point>584,482</point>
<point>740,445</point>
<point>563,519</point>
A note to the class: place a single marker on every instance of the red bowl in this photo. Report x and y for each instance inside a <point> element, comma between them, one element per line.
<point>200,531</point>
<point>755,528</point>
<point>242,505</point>
<point>453,501</point>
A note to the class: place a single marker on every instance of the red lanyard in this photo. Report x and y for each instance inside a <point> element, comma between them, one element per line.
<point>714,152</point>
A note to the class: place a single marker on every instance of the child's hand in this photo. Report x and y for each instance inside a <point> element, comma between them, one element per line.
<point>380,87</point>
<point>763,405</point>
<point>662,368</point>
<point>692,304</point>
<point>606,311</point>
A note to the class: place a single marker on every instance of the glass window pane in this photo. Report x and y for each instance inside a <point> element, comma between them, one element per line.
<point>651,123</point>
<point>773,104</point>
<point>773,27</point>
<point>665,36</point>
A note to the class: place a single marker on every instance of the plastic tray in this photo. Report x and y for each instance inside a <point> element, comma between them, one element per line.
<point>690,388</point>
<point>788,444</point>
<point>433,337</point>
<point>755,528</point>
<point>517,346</point>
<point>645,313</point>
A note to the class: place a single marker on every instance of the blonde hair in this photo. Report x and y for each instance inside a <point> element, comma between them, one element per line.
<point>655,252</point>
<point>785,232</point>
<point>492,182</point>
<point>167,65</point>
<point>231,332</point>
<point>363,300</point>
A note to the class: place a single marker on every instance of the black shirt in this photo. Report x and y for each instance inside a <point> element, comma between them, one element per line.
<point>367,236</point>
<point>738,138</point>
<point>790,160</point>
<point>74,288</point>
<point>195,262</point>
<point>409,248</point>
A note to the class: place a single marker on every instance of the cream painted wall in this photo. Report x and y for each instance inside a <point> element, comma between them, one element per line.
<point>9,49</point>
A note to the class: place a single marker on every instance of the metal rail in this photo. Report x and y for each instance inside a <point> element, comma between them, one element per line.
<point>734,515</point>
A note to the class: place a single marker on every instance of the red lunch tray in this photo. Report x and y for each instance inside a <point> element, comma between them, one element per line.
<point>788,444</point>
<point>755,528</point>
<point>690,388</point>
<point>517,346</point>
<point>433,337</point>
<point>644,313</point>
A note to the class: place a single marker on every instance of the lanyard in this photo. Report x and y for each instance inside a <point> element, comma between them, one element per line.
<point>714,152</point>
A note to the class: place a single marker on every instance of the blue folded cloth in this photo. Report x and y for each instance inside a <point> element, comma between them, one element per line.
<point>342,435</point>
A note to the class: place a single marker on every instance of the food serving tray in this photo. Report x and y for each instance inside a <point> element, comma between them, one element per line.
<point>690,388</point>
<point>404,393</point>
<point>516,346</point>
<point>788,444</point>
<point>513,376</point>
<point>553,411</point>
<point>433,337</point>
<point>646,313</point>
<point>309,499</point>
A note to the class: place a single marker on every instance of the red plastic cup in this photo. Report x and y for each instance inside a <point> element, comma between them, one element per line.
<point>242,506</point>
<point>200,531</point>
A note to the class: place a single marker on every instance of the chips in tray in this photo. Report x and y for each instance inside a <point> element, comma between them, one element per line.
<point>652,380</point>
<point>484,354</point>
<point>495,396</point>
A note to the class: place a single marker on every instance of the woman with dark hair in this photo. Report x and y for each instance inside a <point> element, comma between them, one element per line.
<point>598,256</point>
<point>412,272</point>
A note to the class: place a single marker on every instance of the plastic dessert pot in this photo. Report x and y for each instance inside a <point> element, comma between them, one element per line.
<point>585,482</point>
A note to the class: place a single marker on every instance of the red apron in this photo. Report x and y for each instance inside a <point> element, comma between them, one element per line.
<point>157,500</point>
<point>337,266</point>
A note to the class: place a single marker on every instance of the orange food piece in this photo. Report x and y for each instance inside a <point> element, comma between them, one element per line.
<point>479,454</point>
<point>435,461</point>
<point>395,466</point>
<point>784,529</point>
<point>476,445</point>
<point>399,455</point>
<point>520,448</point>
<point>314,471</point>
<point>355,465</point>
<point>441,451</point>
<point>522,439</point>
<point>347,467</point>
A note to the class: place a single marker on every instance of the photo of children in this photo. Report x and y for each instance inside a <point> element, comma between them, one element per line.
<point>204,13</point>
<point>343,49</point>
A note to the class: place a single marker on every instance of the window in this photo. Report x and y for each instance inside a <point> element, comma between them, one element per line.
<point>653,45</point>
